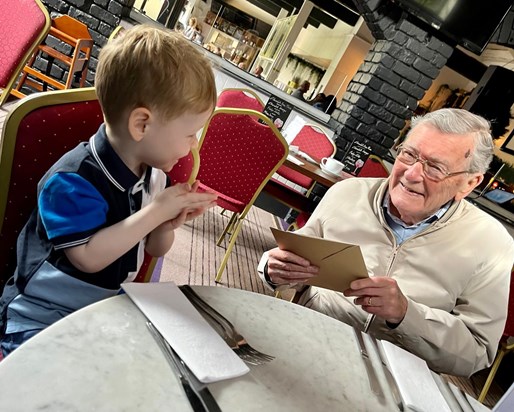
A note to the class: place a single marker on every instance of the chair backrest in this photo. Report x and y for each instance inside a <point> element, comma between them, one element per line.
<point>373,167</point>
<point>23,25</point>
<point>240,98</point>
<point>238,154</point>
<point>37,132</point>
<point>186,169</point>
<point>315,142</point>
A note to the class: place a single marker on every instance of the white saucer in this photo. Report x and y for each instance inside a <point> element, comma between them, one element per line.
<point>328,172</point>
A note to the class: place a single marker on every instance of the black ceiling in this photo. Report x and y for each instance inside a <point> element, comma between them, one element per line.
<point>337,9</point>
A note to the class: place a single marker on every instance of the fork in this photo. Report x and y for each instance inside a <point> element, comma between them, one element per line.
<point>231,336</point>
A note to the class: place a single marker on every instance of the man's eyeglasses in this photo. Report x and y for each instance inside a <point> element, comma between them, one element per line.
<point>432,171</point>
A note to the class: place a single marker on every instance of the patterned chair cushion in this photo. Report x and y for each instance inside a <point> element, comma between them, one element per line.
<point>44,135</point>
<point>313,142</point>
<point>237,155</point>
<point>21,22</point>
<point>239,99</point>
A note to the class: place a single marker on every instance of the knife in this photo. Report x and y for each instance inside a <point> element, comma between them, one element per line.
<point>372,377</point>
<point>199,396</point>
<point>389,376</point>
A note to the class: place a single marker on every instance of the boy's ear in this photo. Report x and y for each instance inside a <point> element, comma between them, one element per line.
<point>138,121</point>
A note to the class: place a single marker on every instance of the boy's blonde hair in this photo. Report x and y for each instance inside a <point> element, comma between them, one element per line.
<point>153,68</point>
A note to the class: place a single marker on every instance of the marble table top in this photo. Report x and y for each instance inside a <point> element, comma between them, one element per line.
<point>102,358</point>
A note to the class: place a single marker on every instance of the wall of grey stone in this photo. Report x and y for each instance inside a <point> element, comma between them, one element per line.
<point>100,16</point>
<point>396,73</point>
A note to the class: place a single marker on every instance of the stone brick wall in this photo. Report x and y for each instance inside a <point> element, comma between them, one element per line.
<point>100,16</point>
<point>399,68</point>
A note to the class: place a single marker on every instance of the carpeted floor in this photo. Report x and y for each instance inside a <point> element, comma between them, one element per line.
<point>194,257</point>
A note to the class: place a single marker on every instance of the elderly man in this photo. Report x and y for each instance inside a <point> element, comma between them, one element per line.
<point>304,88</point>
<point>439,267</point>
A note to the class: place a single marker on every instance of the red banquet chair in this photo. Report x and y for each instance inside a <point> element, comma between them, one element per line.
<point>313,141</point>
<point>238,156</point>
<point>61,119</point>
<point>23,26</point>
<point>374,167</point>
<point>240,98</point>
<point>506,342</point>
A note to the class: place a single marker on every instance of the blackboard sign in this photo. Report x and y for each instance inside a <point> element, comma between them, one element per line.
<point>278,111</point>
<point>356,156</point>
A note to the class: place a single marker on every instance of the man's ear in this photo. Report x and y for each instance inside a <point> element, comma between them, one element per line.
<point>138,122</point>
<point>467,187</point>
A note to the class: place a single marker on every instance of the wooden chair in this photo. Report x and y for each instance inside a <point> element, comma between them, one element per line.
<point>238,156</point>
<point>72,32</point>
<point>23,26</point>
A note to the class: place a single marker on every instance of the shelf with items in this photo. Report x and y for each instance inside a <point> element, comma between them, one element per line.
<point>236,44</point>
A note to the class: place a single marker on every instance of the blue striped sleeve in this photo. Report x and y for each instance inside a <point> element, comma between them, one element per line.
<point>69,204</point>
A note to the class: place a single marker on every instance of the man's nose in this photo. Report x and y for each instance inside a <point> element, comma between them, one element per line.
<point>415,170</point>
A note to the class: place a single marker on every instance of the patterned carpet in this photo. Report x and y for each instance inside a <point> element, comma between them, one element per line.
<point>194,257</point>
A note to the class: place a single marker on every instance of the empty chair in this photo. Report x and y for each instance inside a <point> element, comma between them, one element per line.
<point>314,141</point>
<point>240,98</point>
<point>23,25</point>
<point>238,156</point>
<point>72,32</point>
<point>374,167</point>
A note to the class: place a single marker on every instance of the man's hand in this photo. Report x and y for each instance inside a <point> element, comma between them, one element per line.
<point>285,267</point>
<point>380,296</point>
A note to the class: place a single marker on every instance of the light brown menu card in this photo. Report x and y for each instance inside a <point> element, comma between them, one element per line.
<point>339,263</point>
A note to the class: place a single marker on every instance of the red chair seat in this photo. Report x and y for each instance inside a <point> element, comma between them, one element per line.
<point>224,201</point>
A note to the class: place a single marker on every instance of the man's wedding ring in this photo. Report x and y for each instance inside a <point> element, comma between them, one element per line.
<point>369,301</point>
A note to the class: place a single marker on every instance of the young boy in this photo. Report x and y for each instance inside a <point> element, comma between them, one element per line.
<point>106,201</point>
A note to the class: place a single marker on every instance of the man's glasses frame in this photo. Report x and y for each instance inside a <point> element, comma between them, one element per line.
<point>433,172</point>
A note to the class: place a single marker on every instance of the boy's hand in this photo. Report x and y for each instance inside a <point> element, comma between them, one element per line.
<point>182,202</point>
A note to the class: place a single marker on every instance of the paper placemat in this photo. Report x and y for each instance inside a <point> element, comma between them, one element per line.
<point>188,333</point>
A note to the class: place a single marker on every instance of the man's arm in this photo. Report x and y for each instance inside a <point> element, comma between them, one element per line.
<point>464,341</point>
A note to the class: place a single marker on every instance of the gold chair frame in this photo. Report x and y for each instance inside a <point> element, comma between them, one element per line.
<point>236,221</point>
<point>247,91</point>
<point>19,68</point>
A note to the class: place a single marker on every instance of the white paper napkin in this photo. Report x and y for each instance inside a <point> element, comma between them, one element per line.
<point>188,333</point>
<point>294,160</point>
<point>417,387</point>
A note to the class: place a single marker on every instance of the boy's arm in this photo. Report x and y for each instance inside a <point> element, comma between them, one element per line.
<point>108,244</point>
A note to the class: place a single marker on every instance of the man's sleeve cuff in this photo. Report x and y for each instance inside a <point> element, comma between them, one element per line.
<point>262,269</point>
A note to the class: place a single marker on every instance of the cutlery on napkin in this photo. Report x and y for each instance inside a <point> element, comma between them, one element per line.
<point>417,387</point>
<point>191,337</point>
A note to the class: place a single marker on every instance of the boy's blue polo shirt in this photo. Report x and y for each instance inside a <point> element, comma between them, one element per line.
<point>88,189</point>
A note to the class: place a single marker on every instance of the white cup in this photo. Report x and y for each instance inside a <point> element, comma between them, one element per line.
<point>332,165</point>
